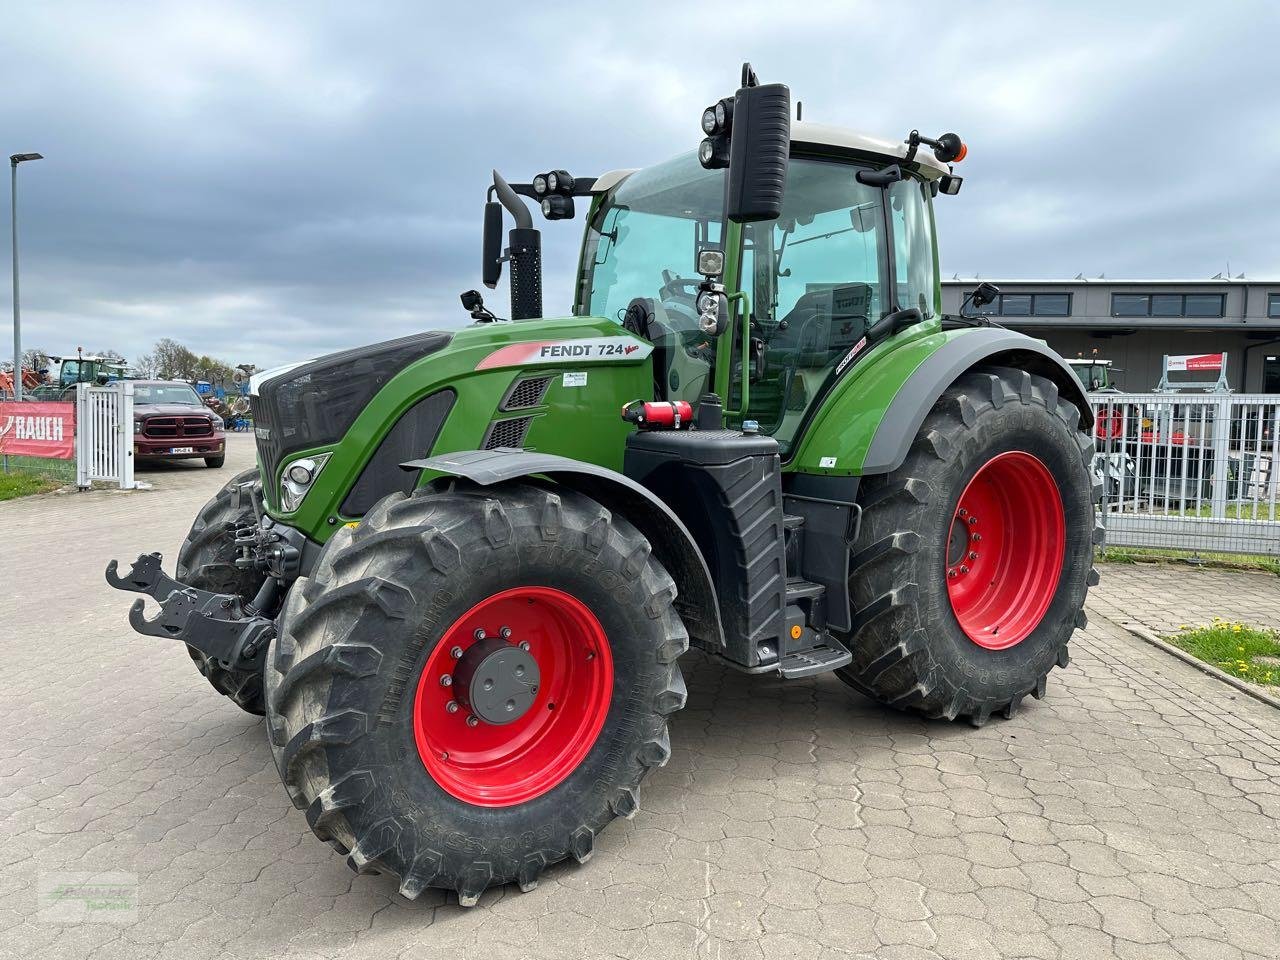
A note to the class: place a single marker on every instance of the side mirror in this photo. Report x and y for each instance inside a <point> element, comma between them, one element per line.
<point>984,293</point>
<point>759,144</point>
<point>491,268</point>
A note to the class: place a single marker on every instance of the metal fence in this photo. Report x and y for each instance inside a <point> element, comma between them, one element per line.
<point>1193,472</point>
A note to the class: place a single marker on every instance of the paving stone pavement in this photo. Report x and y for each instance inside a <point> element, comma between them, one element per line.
<point>1130,814</point>
<point>1164,596</point>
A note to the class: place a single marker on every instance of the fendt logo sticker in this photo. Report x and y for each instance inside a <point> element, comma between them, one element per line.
<point>590,350</point>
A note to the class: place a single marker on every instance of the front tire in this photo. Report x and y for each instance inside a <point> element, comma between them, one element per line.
<point>399,620</point>
<point>207,562</point>
<point>216,462</point>
<point>948,623</point>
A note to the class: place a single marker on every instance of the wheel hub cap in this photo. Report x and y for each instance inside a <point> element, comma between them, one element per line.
<point>496,680</point>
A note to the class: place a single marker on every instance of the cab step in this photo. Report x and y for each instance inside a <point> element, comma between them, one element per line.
<point>821,659</point>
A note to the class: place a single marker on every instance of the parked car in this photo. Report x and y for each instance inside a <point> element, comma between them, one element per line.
<point>171,422</point>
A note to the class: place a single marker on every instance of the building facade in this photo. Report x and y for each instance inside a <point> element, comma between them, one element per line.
<point>1135,323</point>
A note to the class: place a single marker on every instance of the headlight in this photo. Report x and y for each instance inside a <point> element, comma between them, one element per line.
<point>540,184</point>
<point>298,479</point>
<point>709,120</point>
<point>138,425</point>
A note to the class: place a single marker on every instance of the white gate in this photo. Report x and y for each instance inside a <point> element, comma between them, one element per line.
<point>104,433</point>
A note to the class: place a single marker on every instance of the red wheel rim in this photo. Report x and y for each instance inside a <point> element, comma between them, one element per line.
<point>1005,550</point>
<point>500,765</point>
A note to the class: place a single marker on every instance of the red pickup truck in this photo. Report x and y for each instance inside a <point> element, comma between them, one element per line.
<point>171,422</point>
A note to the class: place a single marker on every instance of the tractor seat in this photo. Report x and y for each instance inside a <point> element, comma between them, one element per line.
<point>824,324</point>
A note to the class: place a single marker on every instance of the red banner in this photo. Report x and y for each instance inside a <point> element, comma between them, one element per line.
<point>38,429</point>
<point>1196,361</point>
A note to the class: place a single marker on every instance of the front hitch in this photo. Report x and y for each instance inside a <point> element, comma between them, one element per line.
<point>219,625</point>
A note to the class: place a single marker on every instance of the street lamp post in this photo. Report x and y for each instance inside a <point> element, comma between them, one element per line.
<point>14,160</point>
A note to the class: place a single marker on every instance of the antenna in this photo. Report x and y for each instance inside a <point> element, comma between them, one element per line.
<point>799,110</point>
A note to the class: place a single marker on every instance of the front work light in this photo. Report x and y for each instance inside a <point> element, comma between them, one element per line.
<point>540,185</point>
<point>713,153</point>
<point>557,207</point>
<point>559,181</point>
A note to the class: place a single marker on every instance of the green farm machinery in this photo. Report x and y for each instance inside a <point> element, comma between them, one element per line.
<point>461,578</point>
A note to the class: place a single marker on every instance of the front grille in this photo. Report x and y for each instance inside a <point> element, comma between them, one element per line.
<point>507,433</point>
<point>526,393</point>
<point>315,404</point>
<point>176,428</point>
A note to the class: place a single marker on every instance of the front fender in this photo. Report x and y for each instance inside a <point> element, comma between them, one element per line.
<point>671,540</point>
<point>869,422</point>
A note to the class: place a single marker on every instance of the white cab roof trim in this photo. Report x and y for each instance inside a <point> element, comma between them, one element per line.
<point>822,134</point>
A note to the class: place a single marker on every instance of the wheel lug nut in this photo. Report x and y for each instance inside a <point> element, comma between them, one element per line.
<point>964,512</point>
<point>976,537</point>
<point>456,653</point>
<point>446,680</point>
<point>452,706</point>
<point>973,555</point>
<point>524,644</point>
<point>973,520</point>
<point>505,633</point>
<point>964,568</point>
<point>479,634</point>
<point>951,573</point>
<point>473,721</point>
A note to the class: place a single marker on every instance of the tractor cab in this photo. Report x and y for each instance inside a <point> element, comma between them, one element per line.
<point>1098,376</point>
<point>81,368</point>
<point>852,244</point>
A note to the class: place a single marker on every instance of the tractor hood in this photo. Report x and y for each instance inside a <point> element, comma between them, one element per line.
<point>314,403</point>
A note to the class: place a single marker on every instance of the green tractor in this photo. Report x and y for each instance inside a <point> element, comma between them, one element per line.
<point>461,579</point>
<point>73,370</point>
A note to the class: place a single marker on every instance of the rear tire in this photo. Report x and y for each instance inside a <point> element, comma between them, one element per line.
<point>357,713</point>
<point>206,561</point>
<point>917,643</point>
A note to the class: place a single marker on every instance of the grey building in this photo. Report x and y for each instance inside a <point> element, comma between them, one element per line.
<point>1134,323</point>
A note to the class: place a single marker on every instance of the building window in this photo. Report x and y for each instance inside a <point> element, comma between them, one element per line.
<point>1053,305</point>
<point>1027,305</point>
<point>1130,305</point>
<point>1273,306</point>
<point>1168,304</point>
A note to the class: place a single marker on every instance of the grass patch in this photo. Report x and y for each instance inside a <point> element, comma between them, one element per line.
<point>15,484</point>
<point>1226,561</point>
<point>1235,648</point>
<point>61,470</point>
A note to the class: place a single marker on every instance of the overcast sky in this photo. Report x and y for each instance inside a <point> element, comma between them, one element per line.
<point>265,184</point>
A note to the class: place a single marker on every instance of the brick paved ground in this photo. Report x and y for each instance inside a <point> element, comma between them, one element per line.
<point>1163,596</point>
<point>1132,813</point>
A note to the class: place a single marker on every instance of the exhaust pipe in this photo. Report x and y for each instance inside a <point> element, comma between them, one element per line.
<point>524,253</point>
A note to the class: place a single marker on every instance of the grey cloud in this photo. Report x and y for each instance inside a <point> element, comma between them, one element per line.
<point>265,185</point>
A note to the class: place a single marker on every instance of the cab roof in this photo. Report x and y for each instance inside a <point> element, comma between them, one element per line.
<point>822,135</point>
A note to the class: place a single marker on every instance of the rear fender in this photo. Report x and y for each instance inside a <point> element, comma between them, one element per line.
<point>871,418</point>
<point>672,543</point>
<point>980,347</point>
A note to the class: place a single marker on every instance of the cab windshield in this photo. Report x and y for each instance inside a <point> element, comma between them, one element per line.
<point>841,255</point>
<point>178,393</point>
<point>644,238</point>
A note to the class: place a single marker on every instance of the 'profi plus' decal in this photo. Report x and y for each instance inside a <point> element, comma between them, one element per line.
<point>589,350</point>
